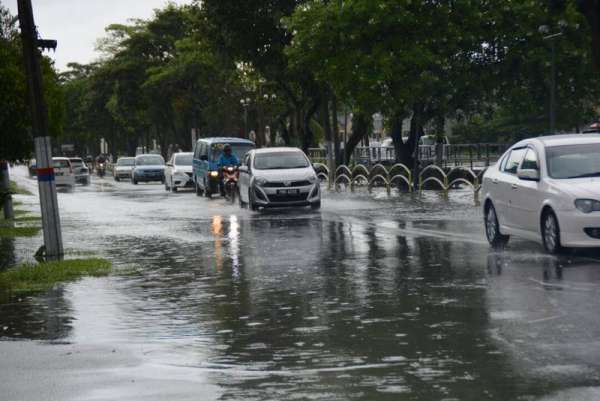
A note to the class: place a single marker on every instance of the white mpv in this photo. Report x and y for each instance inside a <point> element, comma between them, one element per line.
<point>546,189</point>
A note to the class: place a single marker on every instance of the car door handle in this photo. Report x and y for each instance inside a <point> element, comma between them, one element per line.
<point>514,186</point>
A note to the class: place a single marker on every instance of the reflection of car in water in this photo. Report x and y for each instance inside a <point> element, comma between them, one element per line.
<point>278,177</point>
<point>546,189</point>
<point>207,152</point>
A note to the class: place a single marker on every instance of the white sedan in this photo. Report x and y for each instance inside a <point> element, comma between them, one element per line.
<point>278,177</point>
<point>546,189</point>
<point>178,173</point>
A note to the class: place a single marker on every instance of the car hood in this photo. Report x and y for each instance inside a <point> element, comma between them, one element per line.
<point>151,167</point>
<point>583,188</point>
<point>294,174</point>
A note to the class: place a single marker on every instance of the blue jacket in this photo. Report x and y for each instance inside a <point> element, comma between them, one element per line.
<point>230,160</point>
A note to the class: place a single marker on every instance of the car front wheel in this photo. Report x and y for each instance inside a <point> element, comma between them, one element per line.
<point>492,228</point>
<point>551,233</point>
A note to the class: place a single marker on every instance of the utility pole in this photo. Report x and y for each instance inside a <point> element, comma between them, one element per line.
<point>39,116</point>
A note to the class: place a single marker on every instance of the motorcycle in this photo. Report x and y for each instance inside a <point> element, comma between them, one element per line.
<point>230,182</point>
<point>101,170</point>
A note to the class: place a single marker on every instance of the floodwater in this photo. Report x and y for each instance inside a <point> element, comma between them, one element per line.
<point>371,298</point>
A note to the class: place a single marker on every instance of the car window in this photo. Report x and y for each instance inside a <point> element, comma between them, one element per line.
<point>530,161</point>
<point>60,164</point>
<point>280,161</point>
<point>247,159</point>
<point>514,160</point>
<point>182,160</point>
<point>149,160</point>
<point>125,162</point>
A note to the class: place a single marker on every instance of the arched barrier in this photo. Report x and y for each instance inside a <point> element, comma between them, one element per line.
<point>431,177</point>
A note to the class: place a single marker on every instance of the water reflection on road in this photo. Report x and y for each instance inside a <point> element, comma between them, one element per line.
<point>369,299</point>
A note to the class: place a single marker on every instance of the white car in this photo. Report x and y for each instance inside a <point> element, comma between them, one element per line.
<point>178,173</point>
<point>546,189</point>
<point>123,168</point>
<point>278,177</point>
<point>81,170</point>
<point>63,172</point>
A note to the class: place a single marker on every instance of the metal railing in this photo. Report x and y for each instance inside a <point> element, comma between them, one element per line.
<point>471,155</point>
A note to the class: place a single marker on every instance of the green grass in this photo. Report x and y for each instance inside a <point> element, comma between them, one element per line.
<point>37,277</point>
<point>8,231</point>
<point>17,190</point>
<point>27,219</point>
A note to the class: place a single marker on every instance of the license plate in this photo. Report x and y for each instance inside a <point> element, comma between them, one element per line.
<point>288,192</point>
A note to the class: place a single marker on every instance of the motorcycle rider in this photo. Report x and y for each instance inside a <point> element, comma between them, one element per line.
<point>100,165</point>
<point>227,159</point>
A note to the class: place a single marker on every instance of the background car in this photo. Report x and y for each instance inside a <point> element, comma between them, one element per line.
<point>148,168</point>
<point>123,168</point>
<point>63,172</point>
<point>546,189</point>
<point>178,173</point>
<point>207,152</point>
<point>278,177</point>
<point>81,171</point>
<point>32,168</point>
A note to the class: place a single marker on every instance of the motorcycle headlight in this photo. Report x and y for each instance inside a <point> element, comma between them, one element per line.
<point>260,182</point>
<point>587,205</point>
<point>214,174</point>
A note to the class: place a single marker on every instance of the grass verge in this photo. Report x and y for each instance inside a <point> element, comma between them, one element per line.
<point>17,190</point>
<point>7,231</point>
<point>37,277</point>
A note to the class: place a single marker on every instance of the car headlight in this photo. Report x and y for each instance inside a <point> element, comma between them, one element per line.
<point>214,174</point>
<point>587,205</point>
<point>312,179</point>
<point>260,182</point>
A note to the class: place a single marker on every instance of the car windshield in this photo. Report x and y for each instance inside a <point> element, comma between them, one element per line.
<point>238,149</point>
<point>125,162</point>
<point>76,162</point>
<point>149,161</point>
<point>573,161</point>
<point>183,160</point>
<point>280,160</point>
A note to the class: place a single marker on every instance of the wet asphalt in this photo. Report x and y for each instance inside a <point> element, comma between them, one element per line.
<point>371,298</point>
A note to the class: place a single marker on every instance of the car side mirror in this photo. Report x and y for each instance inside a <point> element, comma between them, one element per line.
<point>204,158</point>
<point>528,174</point>
<point>243,169</point>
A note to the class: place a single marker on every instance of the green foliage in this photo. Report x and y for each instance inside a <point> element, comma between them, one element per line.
<point>36,277</point>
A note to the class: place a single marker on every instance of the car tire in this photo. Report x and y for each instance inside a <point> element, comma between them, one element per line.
<point>492,228</point>
<point>207,192</point>
<point>551,233</point>
<point>251,205</point>
<point>135,182</point>
<point>117,179</point>
<point>174,189</point>
<point>315,205</point>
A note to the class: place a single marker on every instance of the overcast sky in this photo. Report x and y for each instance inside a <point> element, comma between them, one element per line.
<point>77,24</point>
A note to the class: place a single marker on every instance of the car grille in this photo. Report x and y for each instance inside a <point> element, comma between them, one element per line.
<point>152,172</point>
<point>280,184</point>
<point>288,198</point>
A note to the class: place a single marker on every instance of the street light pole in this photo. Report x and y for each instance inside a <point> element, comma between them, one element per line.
<point>39,118</point>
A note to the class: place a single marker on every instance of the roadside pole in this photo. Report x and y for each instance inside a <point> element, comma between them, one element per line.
<point>39,116</point>
<point>5,186</point>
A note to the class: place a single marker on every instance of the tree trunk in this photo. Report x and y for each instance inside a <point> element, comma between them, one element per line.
<point>328,136</point>
<point>359,131</point>
<point>308,137</point>
<point>336,131</point>
<point>5,191</point>
<point>591,10</point>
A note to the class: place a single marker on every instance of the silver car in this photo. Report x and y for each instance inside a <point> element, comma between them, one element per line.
<point>123,168</point>
<point>278,177</point>
<point>81,171</point>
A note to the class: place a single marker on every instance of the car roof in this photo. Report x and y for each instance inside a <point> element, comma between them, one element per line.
<point>75,158</point>
<point>565,139</point>
<point>147,154</point>
<point>61,158</point>
<point>225,139</point>
<point>125,157</point>
<point>183,153</point>
<point>277,149</point>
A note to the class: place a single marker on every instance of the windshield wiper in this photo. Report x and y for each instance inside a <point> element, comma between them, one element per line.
<point>587,175</point>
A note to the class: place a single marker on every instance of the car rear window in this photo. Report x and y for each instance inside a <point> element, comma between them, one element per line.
<point>60,163</point>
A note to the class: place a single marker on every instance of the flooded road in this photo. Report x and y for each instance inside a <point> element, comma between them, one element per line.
<point>372,298</point>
